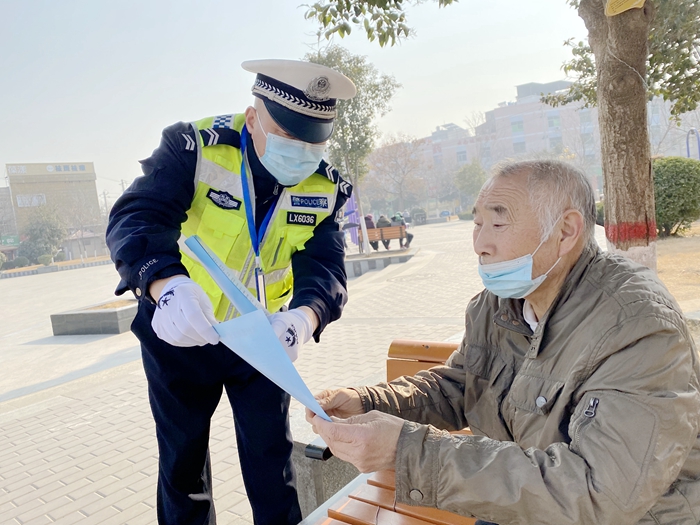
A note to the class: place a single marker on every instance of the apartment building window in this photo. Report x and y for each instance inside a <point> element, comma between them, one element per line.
<point>553,120</point>
<point>556,144</point>
<point>30,201</point>
<point>437,159</point>
<point>517,125</point>
<point>461,155</point>
<point>585,116</point>
<point>588,144</point>
<point>486,153</point>
<point>519,145</point>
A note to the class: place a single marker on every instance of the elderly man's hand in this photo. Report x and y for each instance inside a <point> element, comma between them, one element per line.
<point>343,402</point>
<point>367,441</point>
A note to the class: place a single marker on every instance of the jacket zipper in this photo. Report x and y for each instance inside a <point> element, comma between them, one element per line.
<point>592,406</point>
<point>589,414</point>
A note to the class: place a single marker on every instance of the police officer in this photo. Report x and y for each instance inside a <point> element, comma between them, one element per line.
<point>255,188</point>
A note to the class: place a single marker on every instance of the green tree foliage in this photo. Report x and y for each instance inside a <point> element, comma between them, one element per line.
<point>44,233</point>
<point>3,258</point>
<point>470,178</point>
<point>382,20</point>
<point>673,70</point>
<point>677,189</point>
<point>355,133</point>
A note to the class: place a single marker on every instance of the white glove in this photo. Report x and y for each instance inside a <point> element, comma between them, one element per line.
<point>185,316</point>
<point>293,328</point>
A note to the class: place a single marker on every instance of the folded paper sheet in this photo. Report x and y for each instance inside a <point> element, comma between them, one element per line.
<point>251,336</point>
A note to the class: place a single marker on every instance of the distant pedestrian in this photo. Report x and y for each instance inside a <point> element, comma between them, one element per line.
<point>384,222</point>
<point>369,224</point>
<point>398,220</point>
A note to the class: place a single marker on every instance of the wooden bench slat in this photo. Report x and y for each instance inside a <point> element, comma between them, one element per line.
<point>385,479</point>
<point>355,512</point>
<point>431,352</point>
<point>385,499</point>
<point>330,521</point>
<point>403,367</point>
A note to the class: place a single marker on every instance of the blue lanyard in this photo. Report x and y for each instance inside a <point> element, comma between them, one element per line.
<point>256,237</point>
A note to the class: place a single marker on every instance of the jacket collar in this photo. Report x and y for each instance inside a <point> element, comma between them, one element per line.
<point>509,314</point>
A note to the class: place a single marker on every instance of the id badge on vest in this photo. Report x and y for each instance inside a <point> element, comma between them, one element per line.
<point>260,284</point>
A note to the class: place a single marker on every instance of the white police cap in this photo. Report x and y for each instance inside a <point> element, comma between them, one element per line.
<point>300,96</point>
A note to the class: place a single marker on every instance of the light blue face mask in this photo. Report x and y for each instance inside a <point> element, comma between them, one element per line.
<point>290,161</point>
<point>512,279</point>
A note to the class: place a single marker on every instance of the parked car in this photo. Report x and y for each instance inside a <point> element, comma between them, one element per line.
<point>445,213</point>
<point>418,216</point>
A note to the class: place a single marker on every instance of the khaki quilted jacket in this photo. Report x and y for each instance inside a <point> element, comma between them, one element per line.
<point>592,419</point>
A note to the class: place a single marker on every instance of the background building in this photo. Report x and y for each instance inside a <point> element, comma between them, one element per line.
<point>69,190</point>
<point>9,240</point>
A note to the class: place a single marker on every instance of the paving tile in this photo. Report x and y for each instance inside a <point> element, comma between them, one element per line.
<point>100,441</point>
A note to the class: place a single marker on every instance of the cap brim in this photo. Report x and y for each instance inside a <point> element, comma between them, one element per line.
<point>301,127</point>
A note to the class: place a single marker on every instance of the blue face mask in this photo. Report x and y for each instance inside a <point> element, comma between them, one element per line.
<point>290,161</point>
<point>512,279</point>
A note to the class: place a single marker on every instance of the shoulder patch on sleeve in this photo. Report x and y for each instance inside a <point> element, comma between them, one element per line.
<point>328,171</point>
<point>344,187</point>
<point>332,174</point>
<point>214,136</point>
<point>187,141</point>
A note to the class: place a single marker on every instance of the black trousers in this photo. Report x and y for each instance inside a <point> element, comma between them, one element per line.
<point>481,522</point>
<point>184,389</point>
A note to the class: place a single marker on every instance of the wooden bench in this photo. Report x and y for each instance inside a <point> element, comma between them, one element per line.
<point>407,357</point>
<point>370,498</point>
<point>382,234</point>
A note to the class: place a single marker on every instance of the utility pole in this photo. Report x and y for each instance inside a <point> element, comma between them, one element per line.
<point>123,182</point>
<point>104,196</point>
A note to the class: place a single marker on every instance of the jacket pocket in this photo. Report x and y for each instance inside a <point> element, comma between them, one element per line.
<point>534,394</point>
<point>528,405</point>
<point>294,239</point>
<point>615,434</point>
<point>219,229</point>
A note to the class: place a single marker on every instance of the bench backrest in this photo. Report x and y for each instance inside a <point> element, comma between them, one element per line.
<point>384,234</point>
<point>406,357</point>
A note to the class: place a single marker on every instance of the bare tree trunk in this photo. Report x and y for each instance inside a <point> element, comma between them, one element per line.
<point>620,46</point>
<point>354,180</point>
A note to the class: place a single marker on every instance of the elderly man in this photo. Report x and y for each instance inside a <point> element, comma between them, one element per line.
<point>576,374</point>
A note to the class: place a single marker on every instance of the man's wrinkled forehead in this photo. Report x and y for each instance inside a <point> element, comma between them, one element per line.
<point>506,197</point>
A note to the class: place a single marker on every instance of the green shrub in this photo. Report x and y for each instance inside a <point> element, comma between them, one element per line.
<point>465,216</point>
<point>59,257</point>
<point>8,265</point>
<point>21,262</point>
<point>3,258</point>
<point>677,191</point>
<point>44,259</point>
<point>600,213</point>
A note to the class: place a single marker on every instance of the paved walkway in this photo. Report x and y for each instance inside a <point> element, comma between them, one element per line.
<point>77,441</point>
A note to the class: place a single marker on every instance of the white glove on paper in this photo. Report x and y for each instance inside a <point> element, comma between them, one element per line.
<point>293,328</point>
<point>185,316</point>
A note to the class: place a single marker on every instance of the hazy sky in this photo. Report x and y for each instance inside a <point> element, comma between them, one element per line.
<point>97,81</point>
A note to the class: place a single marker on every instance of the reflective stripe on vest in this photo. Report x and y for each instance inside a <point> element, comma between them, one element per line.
<point>217,214</point>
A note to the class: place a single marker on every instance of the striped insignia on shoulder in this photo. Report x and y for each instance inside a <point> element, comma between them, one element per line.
<point>332,174</point>
<point>223,122</point>
<point>344,187</point>
<point>188,143</point>
<point>210,137</point>
<point>213,137</point>
<point>328,171</point>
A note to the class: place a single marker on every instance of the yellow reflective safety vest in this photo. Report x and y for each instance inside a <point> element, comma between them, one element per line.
<point>218,216</point>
